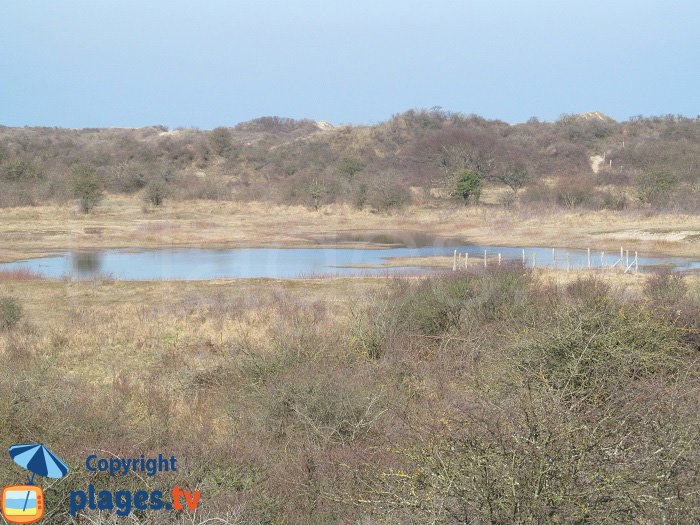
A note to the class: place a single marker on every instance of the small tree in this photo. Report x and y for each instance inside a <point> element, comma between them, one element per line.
<point>515,177</point>
<point>86,186</point>
<point>467,186</point>
<point>156,192</point>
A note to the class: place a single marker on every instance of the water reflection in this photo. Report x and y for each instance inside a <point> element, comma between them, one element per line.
<point>86,264</point>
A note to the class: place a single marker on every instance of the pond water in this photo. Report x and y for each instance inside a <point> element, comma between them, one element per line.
<point>200,263</point>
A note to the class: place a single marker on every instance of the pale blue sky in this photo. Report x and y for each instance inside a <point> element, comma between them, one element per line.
<point>205,63</point>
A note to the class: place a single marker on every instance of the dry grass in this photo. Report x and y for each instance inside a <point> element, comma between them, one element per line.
<point>120,222</point>
<point>183,368</point>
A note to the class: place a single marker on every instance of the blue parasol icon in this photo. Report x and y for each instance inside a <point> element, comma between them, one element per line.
<point>38,459</point>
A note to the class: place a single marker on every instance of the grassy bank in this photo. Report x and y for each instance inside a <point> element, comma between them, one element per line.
<point>121,222</point>
<point>481,398</point>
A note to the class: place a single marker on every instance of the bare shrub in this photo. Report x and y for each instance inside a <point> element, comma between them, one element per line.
<point>572,194</point>
<point>388,193</point>
<point>327,410</point>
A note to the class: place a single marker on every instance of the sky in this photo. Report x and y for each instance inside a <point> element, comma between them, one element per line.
<point>208,63</point>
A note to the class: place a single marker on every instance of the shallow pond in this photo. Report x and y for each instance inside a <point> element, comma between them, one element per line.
<point>200,263</point>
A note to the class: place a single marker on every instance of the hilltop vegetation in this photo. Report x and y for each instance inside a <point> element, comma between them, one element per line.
<point>427,157</point>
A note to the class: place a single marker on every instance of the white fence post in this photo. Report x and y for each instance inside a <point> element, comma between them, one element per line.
<point>589,258</point>
<point>466,260</point>
<point>454,262</point>
<point>484,258</point>
<point>499,258</point>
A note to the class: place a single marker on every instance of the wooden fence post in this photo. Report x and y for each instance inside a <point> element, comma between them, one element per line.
<point>554,258</point>
<point>568,262</point>
<point>602,259</point>
<point>499,258</point>
<point>454,262</point>
<point>484,258</point>
<point>636,263</point>
<point>523,257</point>
<point>534,260</point>
<point>466,260</point>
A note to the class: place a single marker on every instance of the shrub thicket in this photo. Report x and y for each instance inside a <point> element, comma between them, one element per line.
<point>274,159</point>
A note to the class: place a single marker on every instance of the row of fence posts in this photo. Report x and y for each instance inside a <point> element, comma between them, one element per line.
<point>623,262</point>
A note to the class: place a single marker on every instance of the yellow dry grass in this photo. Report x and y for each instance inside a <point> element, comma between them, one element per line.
<point>101,328</point>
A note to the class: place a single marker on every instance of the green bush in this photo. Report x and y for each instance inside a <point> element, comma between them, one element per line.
<point>86,186</point>
<point>10,313</point>
<point>467,186</point>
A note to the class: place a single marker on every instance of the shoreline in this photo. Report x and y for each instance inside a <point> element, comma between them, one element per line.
<point>121,224</point>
